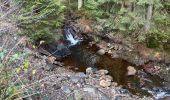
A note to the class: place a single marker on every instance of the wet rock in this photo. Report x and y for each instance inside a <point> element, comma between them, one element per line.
<point>131,70</point>
<point>101,52</point>
<point>105,83</point>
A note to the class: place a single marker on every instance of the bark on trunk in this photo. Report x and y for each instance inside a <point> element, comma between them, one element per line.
<point>148,18</point>
<point>80,3</point>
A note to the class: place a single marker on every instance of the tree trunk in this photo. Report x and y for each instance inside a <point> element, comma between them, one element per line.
<point>80,4</point>
<point>148,18</point>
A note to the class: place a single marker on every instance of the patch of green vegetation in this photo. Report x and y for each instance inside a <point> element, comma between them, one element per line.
<point>145,21</point>
<point>12,67</point>
<point>39,19</point>
<point>131,17</point>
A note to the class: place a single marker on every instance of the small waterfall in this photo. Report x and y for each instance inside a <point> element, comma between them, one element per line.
<point>62,48</point>
<point>70,36</point>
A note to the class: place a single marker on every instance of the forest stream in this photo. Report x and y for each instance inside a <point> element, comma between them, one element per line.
<point>83,55</point>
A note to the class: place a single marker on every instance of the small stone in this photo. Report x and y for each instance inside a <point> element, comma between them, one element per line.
<point>56,87</point>
<point>131,70</point>
<point>66,89</point>
<point>90,90</point>
<point>108,44</point>
<point>116,47</point>
<point>101,52</point>
<point>105,83</point>
<point>51,59</point>
<point>114,84</point>
<point>103,72</point>
<point>118,97</point>
<point>109,52</point>
<point>157,68</point>
<point>15,38</point>
<point>115,55</point>
<point>81,75</point>
<point>75,79</point>
<point>89,70</point>
<point>106,77</point>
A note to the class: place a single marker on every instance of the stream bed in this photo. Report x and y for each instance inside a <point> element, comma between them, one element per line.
<point>83,55</point>
<point>142,83</point>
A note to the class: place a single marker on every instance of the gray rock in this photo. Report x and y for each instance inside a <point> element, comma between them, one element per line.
<point>81,74</point>
<point>66,89</point>
<point>106,77</point>
<point>118,97</point>
<point>75,79</point>
<point>114,84</point>
<point>88,89</point>
<point>89,70</point>
<point>103,72</point>
<point>131,70</point>
<point>101,52</point>
<point>105,83</point>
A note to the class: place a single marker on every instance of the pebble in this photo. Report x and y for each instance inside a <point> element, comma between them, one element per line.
<point>108,44</point>
<point>81,74</point>
<point>101,52</point>
<point>103,72</point>
<point>91,90</point>
<point>114,84</point>
<point>109,52</point>
<point>131,70</point>
<point>89,70</point>
<point>106,77</point>
<point>66,89</point>
<point>105,83</point>
<point>75,79</point>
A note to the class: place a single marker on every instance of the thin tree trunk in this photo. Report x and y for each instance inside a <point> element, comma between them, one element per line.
<point>80,3</point>
<point>148,18</point>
